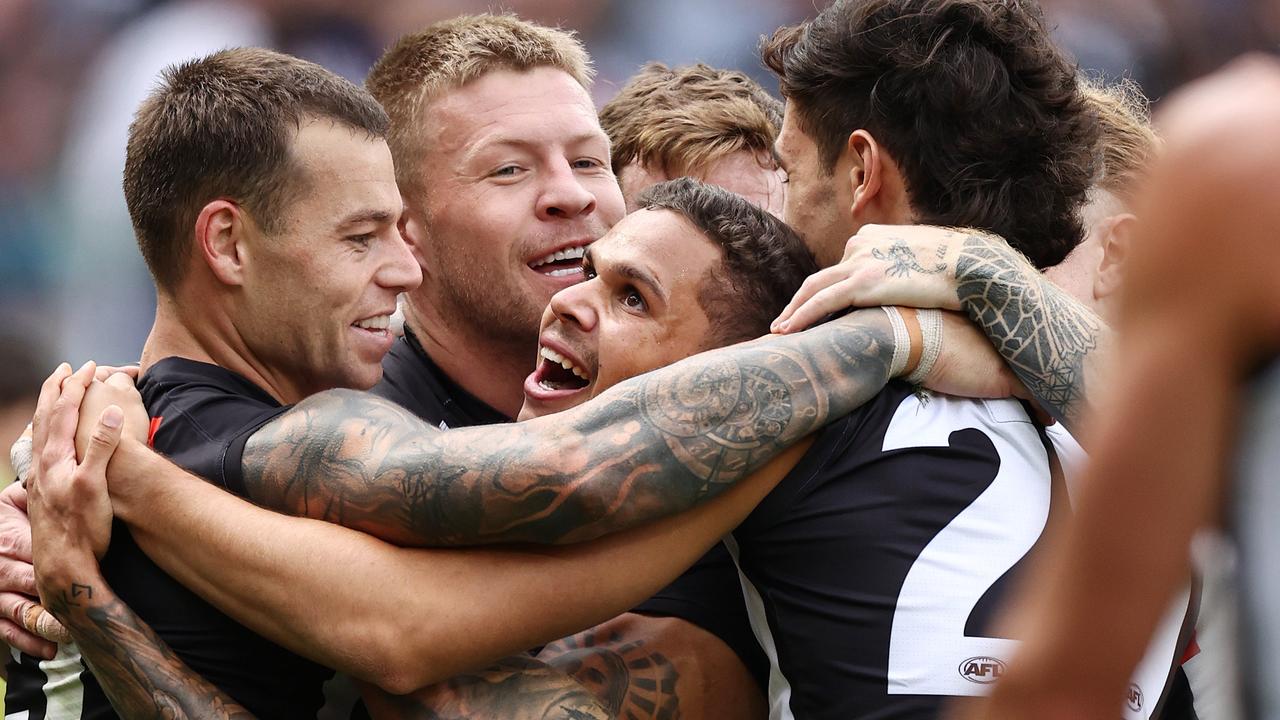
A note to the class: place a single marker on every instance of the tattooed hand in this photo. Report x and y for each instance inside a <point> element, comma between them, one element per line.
<point>647,448</point>
<point>906,265</point>
<point>1047,338</point>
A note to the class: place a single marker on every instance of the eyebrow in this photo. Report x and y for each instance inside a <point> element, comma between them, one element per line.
<point>380,217</point>
<point>527,144</point>
<point>631,272</point>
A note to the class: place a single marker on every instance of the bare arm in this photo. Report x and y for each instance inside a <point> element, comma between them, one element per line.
<point>399,617</point>
<point>1056,346</point>
<point>1202,307</point>
<point>70,517</point>
<point>517,688</point>
<point>647,448</point>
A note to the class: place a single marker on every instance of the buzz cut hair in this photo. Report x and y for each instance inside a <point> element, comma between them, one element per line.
<point>450,54</point>
<point>682,120</point>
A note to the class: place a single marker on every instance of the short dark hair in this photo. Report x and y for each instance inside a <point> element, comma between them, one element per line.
<point>972,99</point>
<point>681,120</point>
<point>223,126</point>
<point>765,261</point>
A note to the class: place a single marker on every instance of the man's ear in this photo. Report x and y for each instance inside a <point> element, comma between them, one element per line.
<point>220,231</point>
<point>865,172</point>
<point>411,229</point>
<point>1115,251</point>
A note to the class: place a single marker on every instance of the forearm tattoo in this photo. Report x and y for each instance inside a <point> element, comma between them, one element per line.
<point>140,675</point>
<point>647,448</point>
<point>630,679</point>
<point>1043,333</point>
<point>517,688</point>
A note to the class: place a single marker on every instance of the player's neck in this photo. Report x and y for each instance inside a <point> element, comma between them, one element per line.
<point>492,373</point>
<point>210,338</point>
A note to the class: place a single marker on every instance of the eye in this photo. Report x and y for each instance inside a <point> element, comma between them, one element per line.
<point>362,241</point>
<point>506,171</point>
<point>633,300</point>
<point>586,164</point>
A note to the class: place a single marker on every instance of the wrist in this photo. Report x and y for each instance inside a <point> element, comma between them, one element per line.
<point>130,466</point>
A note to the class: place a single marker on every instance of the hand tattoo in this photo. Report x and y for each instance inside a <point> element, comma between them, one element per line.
<point>903,260</point>
<point>647,448</point>
<point>1043,333</point>
<point>140,675</point>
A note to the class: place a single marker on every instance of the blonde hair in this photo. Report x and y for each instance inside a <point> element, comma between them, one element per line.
<point>682,120</point>
<point>1128,141</point>
<point>452,53</point>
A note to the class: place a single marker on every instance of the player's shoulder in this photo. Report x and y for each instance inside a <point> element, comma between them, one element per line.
<point>193,402</point>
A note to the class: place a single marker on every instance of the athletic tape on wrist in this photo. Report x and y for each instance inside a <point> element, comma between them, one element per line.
<point>20,458</point>
<point>901,342</point>
<point>931,338</point>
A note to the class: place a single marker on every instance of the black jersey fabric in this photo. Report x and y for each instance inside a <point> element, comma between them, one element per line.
<point>412,380</point>
<point>196,408</point>
<point>825,557</point>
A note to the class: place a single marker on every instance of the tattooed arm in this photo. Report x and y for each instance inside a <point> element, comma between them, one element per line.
<point>136,669</point>
<point>517,688</point>
<point>647,448</point>
<point>1055,345</point>
<point>70,519</point>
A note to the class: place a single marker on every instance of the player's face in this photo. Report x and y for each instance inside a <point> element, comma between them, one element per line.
<point>517,184</point>
<point>318,294</point>
<point>754,176</point>
<point>637,310</point>
<point>818,203</point>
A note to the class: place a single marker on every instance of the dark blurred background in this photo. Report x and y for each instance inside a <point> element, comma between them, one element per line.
<point>72,285</point>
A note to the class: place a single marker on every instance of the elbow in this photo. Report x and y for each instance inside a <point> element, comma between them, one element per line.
<point>399,662</point>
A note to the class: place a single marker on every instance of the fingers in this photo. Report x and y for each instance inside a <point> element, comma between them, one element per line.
<point>62,419</point>
<point>791,319</point>
<point>106,436</point>
<point>15,612</point>
<point>50,391</point>
<point>833,299</point>
<point>121,381</point>
<point>16,572</point>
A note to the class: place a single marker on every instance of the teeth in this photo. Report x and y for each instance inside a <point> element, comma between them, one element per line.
<point>562,361</point>
<point>561,272</point>
<point>377,322</point>
<point>571,253</point>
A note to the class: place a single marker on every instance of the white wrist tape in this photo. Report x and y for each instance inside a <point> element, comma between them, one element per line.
<point>901,341</point>
<point>931,338</point>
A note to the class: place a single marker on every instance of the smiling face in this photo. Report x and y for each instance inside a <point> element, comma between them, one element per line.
<point>637,310</point>
<point>517,182</point>
<point>319,293</point>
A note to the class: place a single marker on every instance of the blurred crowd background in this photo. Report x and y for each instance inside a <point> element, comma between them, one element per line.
<point>72,285</point>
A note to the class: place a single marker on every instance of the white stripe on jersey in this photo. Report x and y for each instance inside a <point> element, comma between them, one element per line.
<point>779,687</point>
<point>63,690</point>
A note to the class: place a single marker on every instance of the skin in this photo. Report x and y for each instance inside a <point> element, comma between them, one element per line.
<point>340,252</point>
<point>516,169</point>
<point>754,176</point>
<point>637,309</point>
<point>1160,458</point>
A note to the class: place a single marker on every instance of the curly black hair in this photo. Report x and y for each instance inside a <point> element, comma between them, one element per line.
<point>972,99</point>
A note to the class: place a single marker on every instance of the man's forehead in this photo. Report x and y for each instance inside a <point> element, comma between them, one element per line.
<point>660,241</point>
<point>509,103</point>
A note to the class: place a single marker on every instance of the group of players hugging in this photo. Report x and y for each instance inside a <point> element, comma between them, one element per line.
<point>465,399</point>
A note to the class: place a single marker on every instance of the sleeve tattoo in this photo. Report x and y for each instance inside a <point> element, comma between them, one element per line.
<point>647,448</point>
<point>1044,334</point>
<point>140,675</point>
<point>517,688</point>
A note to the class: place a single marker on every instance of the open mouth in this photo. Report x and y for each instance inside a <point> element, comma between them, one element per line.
<point>561,263</point>
<point>556,373</point>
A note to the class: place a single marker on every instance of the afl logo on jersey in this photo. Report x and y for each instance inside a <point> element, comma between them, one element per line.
<point>1135,697</point>
<point>982,670</point>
